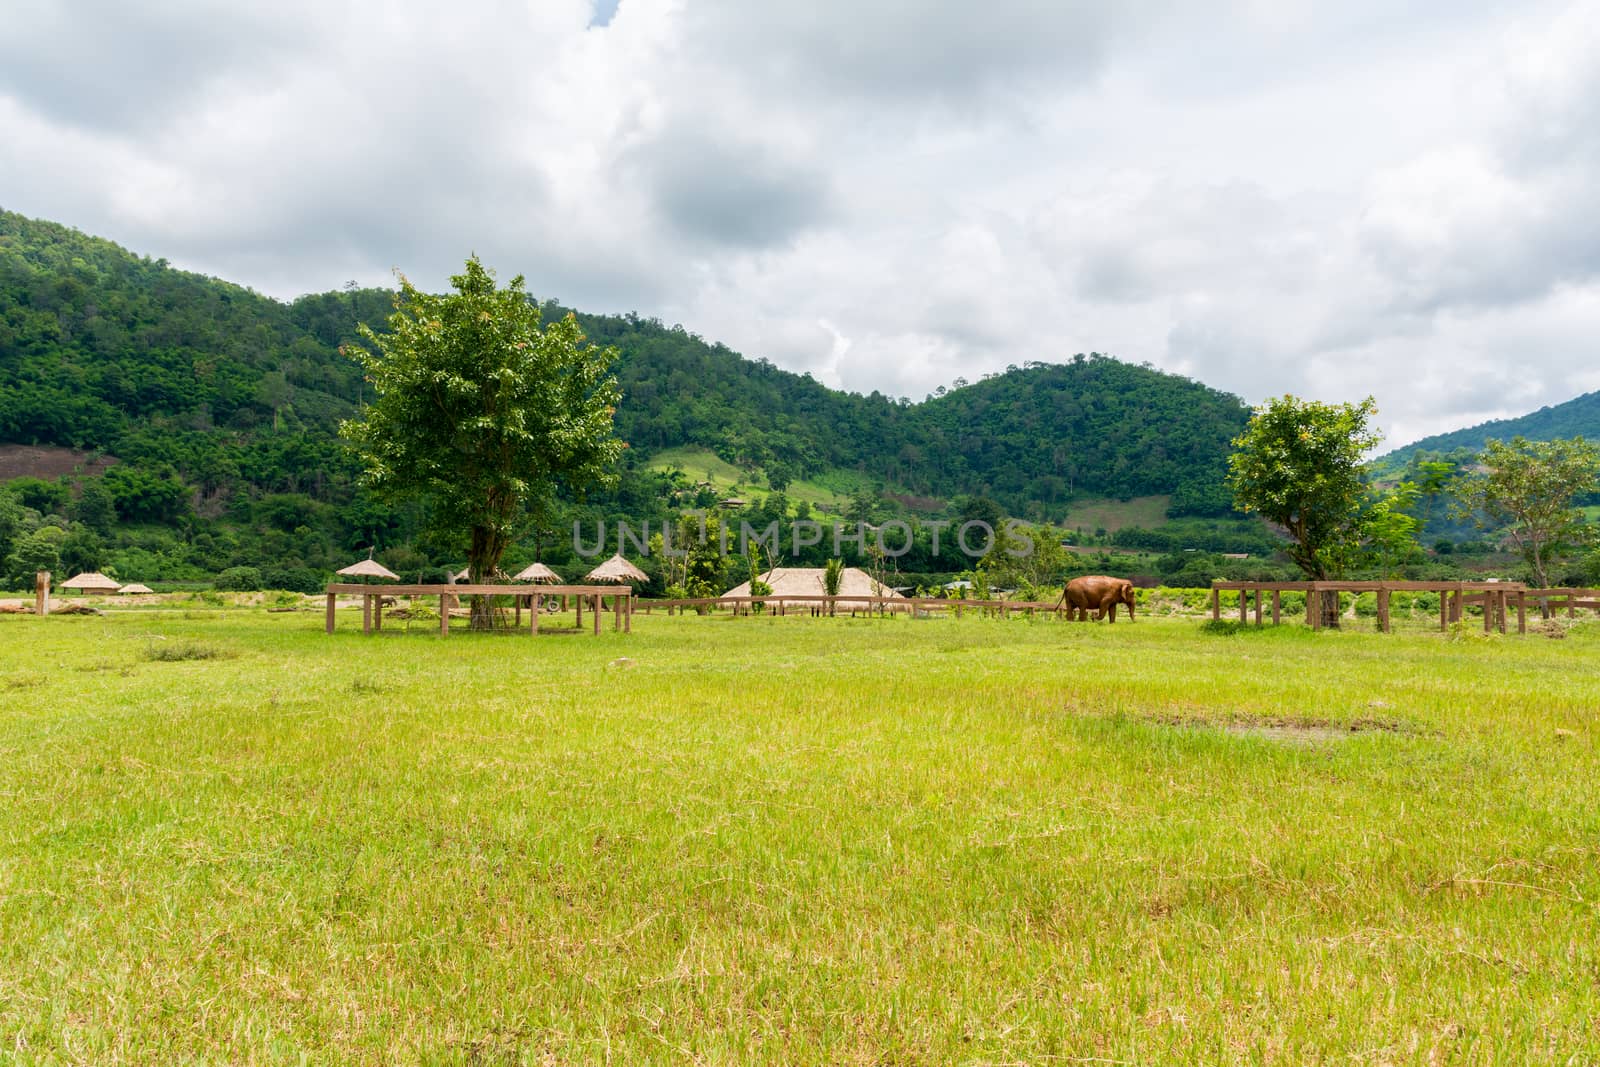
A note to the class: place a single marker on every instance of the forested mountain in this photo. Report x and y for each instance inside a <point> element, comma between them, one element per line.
<point>222,405</point>
<point>1579,417</point>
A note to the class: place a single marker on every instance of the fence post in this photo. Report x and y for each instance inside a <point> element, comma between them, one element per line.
<point>1244,606</point>
<point>41,593</point>
<point>1383,610</point>
<point>1522,611</point>
<point>329,623</point>
<point>1314,607</point>
<point>444,614</point>
<point>596,614</point>
<point>1277,604</point>
<point>366,614</point>
<point>1216,604</point>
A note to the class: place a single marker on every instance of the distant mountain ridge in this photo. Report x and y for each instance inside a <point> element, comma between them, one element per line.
<point>1578,417</point>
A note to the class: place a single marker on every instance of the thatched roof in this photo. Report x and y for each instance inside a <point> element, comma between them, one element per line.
<point>135,587</point>
<point>466,572</point>
<point>536,572</point>
<point>807,581</point>
<point>617,569</point>
<point>92,582</point>
<point>370,568</point>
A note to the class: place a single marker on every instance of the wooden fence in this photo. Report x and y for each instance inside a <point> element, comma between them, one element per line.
<point>853,604</point>
<point>1497,599</point>
<point>372,597</point>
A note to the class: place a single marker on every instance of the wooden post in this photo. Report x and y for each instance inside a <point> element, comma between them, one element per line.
<point>578,602</point>
<point>616,613</point>
<point>1314,607</point>
<point>366,614</point>
<point>1572,605</point>
<point>1277,605</point>
<point>1383,610</point>
<point>1260,593</point>
<point>1458,605</point>
<point>444,614</point>
<point>533,615</point>
<point>1216,604</point>
<point>596,614</point>
<point>1244,606</point>
<point>1522,612</point>
<point>627,619</point>
<point>41,593</point>
<point>377,613</point>
<point>329,624</point>
<point>1488,611</point>
<point>517,601</point>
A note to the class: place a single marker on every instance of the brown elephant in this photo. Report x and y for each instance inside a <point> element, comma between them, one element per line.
<point>1099,594</point>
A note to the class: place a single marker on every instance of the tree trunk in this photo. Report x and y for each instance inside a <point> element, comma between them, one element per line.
<point>482,560</point>
<point>1324,606</point>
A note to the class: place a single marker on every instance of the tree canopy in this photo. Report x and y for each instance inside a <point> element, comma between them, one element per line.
<point>1298,464</point>
<point>1527,488</point>
<point>479,412</point>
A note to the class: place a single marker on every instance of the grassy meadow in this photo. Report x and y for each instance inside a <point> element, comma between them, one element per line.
<point>227,837</point>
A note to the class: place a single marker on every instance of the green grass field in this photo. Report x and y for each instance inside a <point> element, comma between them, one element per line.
<point>795,841</point>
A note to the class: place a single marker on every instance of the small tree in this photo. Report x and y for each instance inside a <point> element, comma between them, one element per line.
<point>1527,487</point>
<point>480,412</point>
<point>1298,464</point>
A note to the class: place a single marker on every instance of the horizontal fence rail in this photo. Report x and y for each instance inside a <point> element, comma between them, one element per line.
<point>855,602</point>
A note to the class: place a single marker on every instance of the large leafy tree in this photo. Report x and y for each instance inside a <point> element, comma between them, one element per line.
<point>1527,488</point>
<point>1298,464</point>
<point>479,412</point>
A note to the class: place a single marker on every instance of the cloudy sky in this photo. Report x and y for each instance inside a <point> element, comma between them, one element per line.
<point>1331,199</point>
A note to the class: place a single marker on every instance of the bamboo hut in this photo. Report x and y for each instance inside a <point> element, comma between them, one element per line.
<point>92,582</point>
<point>134,587</point>
<point>618,570</point>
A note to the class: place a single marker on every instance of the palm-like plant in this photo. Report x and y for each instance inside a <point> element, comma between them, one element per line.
<point>832,578</point>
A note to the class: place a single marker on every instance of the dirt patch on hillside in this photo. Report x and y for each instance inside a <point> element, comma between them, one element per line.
<point>51,462</point>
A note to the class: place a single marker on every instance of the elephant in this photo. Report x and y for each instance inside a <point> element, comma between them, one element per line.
<point>1099,594</point>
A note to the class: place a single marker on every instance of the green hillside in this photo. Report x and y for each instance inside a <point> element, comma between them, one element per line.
<point>221,408</point>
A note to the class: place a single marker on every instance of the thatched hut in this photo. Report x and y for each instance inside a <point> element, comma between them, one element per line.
<point>134,587</point>
<point>370,568</point>
<point>537,572</point>
<point>807,581</point>
<point>618,570</point>
<point>92,582</point>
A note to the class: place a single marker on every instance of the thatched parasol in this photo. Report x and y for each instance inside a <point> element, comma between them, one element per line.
<point>466,572</point>
<point>370,568</point>
<point>92,582</point>
<point>135,587</point>
<point>537,572</point>
<point>616,569</point>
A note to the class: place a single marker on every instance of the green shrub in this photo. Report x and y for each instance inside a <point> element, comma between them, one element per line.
<point>239,580</point>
